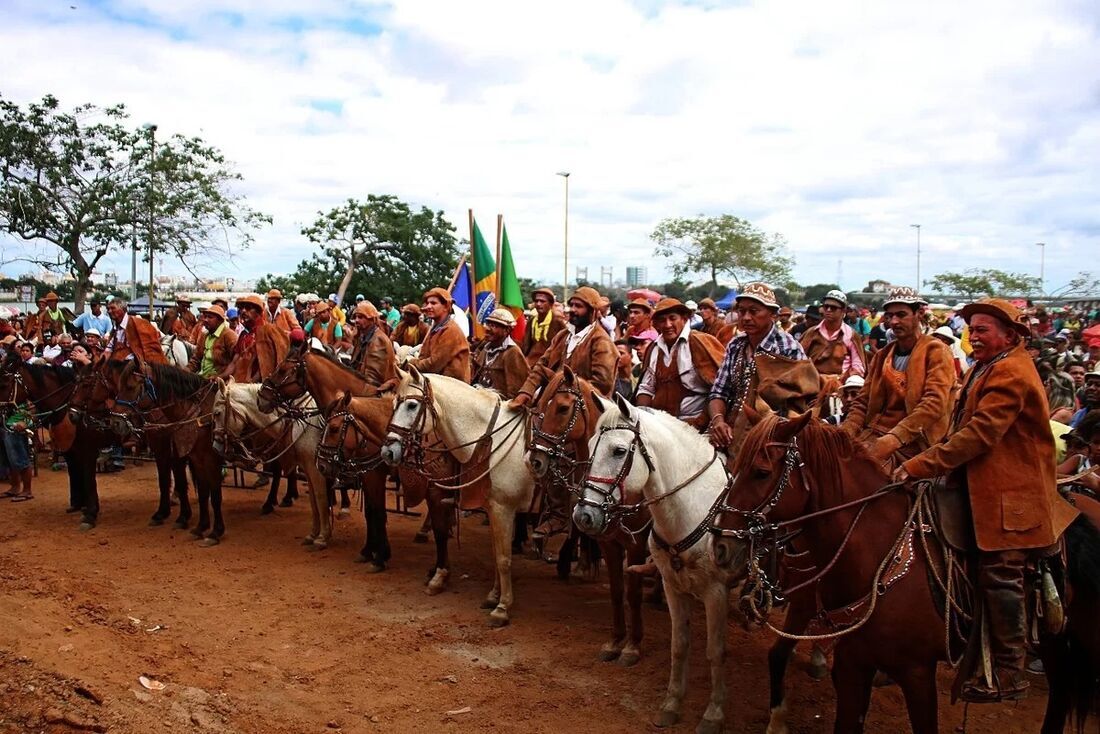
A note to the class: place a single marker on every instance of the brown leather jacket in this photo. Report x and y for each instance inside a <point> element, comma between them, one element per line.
<point>284,319</point>
<point>1002,440</point>
<point>505,373</point>
<point>532,349</point>
<point>405,337</point>
<point>374,359</point>
<point>593,359</point>
<point>181,323</point>
<point>445,351</point>
<point>222,350</point>
<point>142,340</point>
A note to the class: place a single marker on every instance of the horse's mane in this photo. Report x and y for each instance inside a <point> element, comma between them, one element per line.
<point>175,383</point>
<point>335,361</point>
<point>38,373</point>
<point>825,450</point>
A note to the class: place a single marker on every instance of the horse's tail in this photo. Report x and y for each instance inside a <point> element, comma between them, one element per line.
<point>1083,574</point>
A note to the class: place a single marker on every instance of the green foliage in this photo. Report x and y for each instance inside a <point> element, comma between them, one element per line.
<point>83,183</point>
<point>817,291</point>
<point>722,245</point>
<point>985,282</point>
<point>380,247</point>
<point>1085,284</point>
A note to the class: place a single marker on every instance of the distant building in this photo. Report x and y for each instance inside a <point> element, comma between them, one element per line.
<point>879,286</point>
<point>636,276</point>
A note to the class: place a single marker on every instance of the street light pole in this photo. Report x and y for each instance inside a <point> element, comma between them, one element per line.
<point>1042,266</point>
<point>565,280</point>
<point>152,130</point>
<point>917,227</point>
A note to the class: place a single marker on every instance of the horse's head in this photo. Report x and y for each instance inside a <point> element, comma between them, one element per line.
<point>288,381</point>
<point>767,485</point>
<point>564,417</point>
<point>613,486</point>
<point>413,415</point>
<point>348,446</point>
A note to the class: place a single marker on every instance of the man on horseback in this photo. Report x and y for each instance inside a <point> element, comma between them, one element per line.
<point>679,368</point>
<point>179,321</point>
<point>738,380</point>
<point>133,337</point>
<point>410,330</point>
<point>372,351</point>
<point>214,351</point>
<point>273,313</point>
<point>498,362</point>
<point>445,350</point>
<point>543,328</point>
<point>1001,440</point>
<point>905,403</point>
<point>250,362</point>
<point>588,350</point>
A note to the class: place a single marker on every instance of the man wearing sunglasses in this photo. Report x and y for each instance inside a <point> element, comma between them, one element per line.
<point>833,346</point>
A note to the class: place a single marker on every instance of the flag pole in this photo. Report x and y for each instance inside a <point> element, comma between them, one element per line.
<point>473,262</point>
<point>500,224</point>
<point>454,275</point>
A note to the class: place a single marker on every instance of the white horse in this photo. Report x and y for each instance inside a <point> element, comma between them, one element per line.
<point>237,417</point>
<point>461,414</point>
<point>653,458</point>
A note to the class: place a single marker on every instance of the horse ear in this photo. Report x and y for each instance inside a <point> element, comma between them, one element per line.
<point>751,413</point>
<point>626,408</point>
<point>570,378</point>
<point>414,375</point>
<point>786,429</point>
<point>601,403</point>
<point>343,399</point>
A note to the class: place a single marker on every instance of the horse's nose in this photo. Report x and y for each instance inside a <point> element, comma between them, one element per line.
<point>539,463</point>
<point>391,452</point>
<point>590,520</point>
<point>728,553</point>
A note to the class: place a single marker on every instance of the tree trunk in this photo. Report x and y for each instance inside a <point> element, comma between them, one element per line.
<point>346,280</point>
<point>81,288</point>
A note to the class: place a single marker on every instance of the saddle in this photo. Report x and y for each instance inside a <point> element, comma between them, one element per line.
<point>951,518</point>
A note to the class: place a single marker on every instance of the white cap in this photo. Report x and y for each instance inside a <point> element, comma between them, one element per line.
<point>853,381</point>
<point>692,305</point>
<point>93,330</point>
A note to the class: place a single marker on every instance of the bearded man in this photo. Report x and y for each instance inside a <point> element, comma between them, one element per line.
<point>498,361</point>
<point>833,346</point>
<point>1000,444</point>
<point>680,367</point>
<point>214,352</point>
<point>411,330</point>
<point>713,323</point>
<point>372,351</point>
<point>906,402</point>
<point>543,328</point>
<point>445,350</point>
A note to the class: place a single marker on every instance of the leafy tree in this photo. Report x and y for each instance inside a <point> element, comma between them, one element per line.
<point>82,183</point>
<point>976,283</point>
<point>817,291</point>
<point>722,245</point>
<point>1084,284</point>
<point>381,247</point>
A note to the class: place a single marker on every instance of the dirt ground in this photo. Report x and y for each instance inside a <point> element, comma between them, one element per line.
<point>259,635</point>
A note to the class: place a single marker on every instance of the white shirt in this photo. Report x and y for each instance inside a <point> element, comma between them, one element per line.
<point>609,323</point>
<point>120,330</point>
<point>692,404</point>
<point>576,338</point>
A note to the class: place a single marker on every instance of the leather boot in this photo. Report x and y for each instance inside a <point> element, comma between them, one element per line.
<point>1001,582</point>
<point>553,521</point>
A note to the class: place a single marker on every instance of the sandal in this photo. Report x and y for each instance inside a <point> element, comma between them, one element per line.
<point>22,497</point>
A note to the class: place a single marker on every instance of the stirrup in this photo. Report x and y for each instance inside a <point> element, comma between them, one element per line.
<point>1013,689</point>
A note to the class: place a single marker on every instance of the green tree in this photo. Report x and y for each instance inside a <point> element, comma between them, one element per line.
<point>83,183</point>
<point>1085,284</point>
<point>722,245</point>
<point>976,283</point>
<point>380,247</point>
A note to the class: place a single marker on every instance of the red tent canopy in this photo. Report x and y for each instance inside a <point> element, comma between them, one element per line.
<point>650,295</point>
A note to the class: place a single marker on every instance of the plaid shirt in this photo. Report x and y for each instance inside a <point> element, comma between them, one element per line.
<point>732,373</point>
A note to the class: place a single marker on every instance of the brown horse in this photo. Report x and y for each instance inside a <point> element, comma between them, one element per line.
<point>307,372</point>
<point>563,422</point>
<point>876,563</point>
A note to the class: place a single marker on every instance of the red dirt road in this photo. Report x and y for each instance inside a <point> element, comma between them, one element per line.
<point>259,635</point>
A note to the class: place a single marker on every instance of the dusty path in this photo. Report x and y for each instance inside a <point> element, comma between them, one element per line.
<point>259,635</point>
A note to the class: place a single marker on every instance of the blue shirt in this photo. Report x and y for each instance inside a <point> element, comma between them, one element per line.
<point>101,323</point>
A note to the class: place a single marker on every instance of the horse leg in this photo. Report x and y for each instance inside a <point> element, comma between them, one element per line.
<point>852,681</point>
<point>76,485</point>
<point>376,548</point>
<point>716,602</point>
<point>345,503</point>
<point>179,478</point>
<point>291,487</point>
<point>276,472</point>
<point>203,491</point>
<point>567,553</point>
<point>918,685</point>
<point>799,612</point>
<point>440,513</point>
<point>613,554</point>
<point>635,555</point>
<point>164,487</point>
<point>679,612</point>
<point>1057,665</point>
<point>503,520</point>
<point>213,478</point>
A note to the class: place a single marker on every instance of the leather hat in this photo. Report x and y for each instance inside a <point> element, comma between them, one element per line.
<point>501,316</point>
<point>411,308</point>
<point>253,300</point>
<point>708,303</point>
<point>216,310</point>
<point>588,296</point>
<point>671,305</point>
<point>366,308</point>
<point>544,291</point>
<point>51,296</point>
<point>183,299</point>
<point>640,303</point>
<point>761,293</point>
<point>274,293</point>
<point>999,309</point>
<point>440,293</point>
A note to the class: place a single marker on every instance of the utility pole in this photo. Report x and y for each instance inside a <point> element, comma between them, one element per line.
<point>565,281</point>
<point>152,130</point>
<point>917,226</point>
<point>1042,267</point>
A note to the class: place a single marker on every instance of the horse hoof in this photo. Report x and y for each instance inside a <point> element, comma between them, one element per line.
<point>375,567</point>
<point>267,509</point>
<point>319,545</point>
<point>209,542</point>
<point>155,522</point>
<point>490,603</point>
<point>499,618</point>
<point>86,526</point>
<point>706,726</point>
<point>438,582</point>
<point>287,502</point>
<point>420,538</point>
<point>308,540</point>
<point>197,533</point>
<point>666,719</point>
<point>361,558</point>
<point>180,524</point>
<point>629,658</point>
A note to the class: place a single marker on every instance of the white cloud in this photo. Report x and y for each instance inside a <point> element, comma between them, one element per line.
<point>836,124</point>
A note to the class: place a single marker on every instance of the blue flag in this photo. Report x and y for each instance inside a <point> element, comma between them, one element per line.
<point>462,287</point>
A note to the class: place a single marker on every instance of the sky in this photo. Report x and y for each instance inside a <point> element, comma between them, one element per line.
<point>837,125</point>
